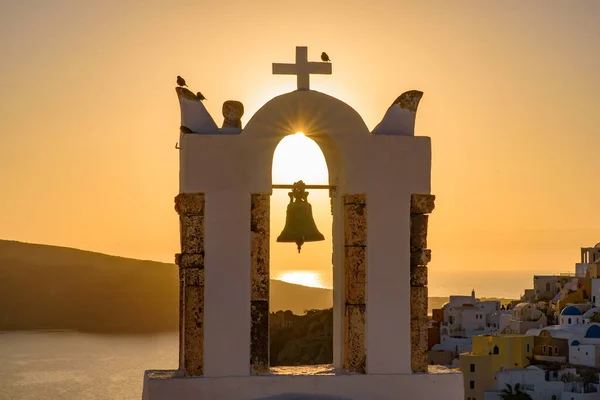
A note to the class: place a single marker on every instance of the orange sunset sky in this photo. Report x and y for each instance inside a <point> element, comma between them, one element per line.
<point>89,119</point>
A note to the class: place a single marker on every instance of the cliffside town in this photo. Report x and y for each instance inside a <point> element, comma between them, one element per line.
<point>545,346</point>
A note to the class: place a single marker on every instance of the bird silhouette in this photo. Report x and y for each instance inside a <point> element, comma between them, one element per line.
<point>181,81</point>
<point>325,57</point>
<point>185,129</point>
<point>200,96</point>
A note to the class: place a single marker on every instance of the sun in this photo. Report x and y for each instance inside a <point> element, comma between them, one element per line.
<point>298,157</point>
<point>304,278</point>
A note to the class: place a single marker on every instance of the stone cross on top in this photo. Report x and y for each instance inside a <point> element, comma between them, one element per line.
<point>303,68</point>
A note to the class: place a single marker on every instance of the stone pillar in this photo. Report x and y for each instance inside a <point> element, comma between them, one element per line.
<point>181,308</point>
<point>190,207</point>
<point>355,261</point>
<point>420,205</point>
<point>232,114</point>
<point>259,300</point>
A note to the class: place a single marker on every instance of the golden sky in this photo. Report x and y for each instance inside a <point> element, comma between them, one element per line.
<point>89,117</point>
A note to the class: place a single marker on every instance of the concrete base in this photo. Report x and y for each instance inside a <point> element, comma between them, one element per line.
<point>296,384</point>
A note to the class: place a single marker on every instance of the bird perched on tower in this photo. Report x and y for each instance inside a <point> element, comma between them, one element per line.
<point>325,57</point>
<point>181,81</point>
<point>200,96</point>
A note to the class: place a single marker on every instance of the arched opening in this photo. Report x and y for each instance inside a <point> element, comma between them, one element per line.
<point>302,283</point>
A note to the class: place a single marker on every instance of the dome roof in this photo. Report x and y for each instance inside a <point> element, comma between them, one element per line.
<point>597,245</point>
<point>570,310</point>
<point>575,343</point>
<point>593,332</point>
<point>521,306</point>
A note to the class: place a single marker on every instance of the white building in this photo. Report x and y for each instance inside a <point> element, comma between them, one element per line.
<point>532,380</point>
<point>466,316</point>
<point>525,316</point>
<point>498,322</point>
<point>542,385</point>
<point>584,354</point>
<point>589,256</point>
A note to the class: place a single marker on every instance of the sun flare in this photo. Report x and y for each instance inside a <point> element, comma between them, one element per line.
<point>298,157</point>
<point>304,278</point>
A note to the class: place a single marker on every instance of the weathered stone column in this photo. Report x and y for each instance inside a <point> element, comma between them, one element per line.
<point>259,300</point>
<point>420,256</point>
<point>190,207</point>
<point>355,261</point>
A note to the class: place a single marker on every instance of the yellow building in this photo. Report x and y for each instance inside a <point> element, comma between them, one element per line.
<point>581,294</point>
<point>489,355</point>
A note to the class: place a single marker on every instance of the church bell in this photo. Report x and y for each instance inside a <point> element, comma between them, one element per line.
<point>299,226</point>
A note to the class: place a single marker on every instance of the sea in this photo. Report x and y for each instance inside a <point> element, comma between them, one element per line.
<point>69,365</point>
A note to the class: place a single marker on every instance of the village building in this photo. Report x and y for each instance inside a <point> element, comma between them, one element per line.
<point>590,261</point>
<point>525,316</point>
<point>490,354</point>
<point>542,384</point>
<point>466,316</point>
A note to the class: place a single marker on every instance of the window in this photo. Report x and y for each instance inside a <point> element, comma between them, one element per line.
<point>496,350</point>
<point>555,350</point>
<point>451,319</point>
<point>472,384</point>
<point>528,349</point>
<point>472,367</point>
<point>569,321</point>
<point>544,349</point>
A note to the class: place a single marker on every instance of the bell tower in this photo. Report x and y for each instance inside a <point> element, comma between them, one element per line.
<point>379,183</point>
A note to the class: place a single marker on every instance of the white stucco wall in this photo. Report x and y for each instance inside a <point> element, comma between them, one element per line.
<point>579,396</point>
<point>581,269</point>
<point>397,121</point>
<point>584,354</point>
<point>531,379</point>
<point>447,386</point>
<point>195,116</point>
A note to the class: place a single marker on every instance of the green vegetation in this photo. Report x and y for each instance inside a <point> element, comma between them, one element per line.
<point>308,341</point>
<point>509,393</point>
<point>595,317</point>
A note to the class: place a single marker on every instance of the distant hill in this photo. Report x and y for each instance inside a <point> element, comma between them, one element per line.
<point>50,287</point>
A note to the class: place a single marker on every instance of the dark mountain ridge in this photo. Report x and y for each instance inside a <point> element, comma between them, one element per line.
<point>51,287</point>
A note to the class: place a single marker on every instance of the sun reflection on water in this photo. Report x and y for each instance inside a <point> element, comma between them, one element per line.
<point>304,278</point>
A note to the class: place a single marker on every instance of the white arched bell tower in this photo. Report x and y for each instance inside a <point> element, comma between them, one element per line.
<point>379,183</point>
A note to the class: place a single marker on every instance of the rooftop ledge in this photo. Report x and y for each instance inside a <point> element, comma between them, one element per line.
<point>317,382</point>
<point>302,370</point>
